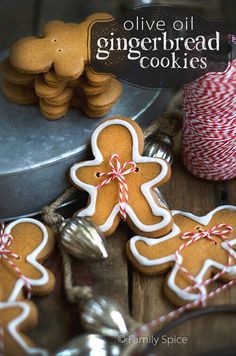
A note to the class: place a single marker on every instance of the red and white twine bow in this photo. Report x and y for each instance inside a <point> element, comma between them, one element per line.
<point>7,255</point>
<point>220,231</point>
<point>118,171</point>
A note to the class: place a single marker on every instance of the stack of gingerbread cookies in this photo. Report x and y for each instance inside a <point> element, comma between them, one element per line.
<point>53,71</point>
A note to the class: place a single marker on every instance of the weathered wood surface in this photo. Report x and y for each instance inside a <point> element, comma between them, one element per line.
<point>142,295</point>
<point>188,193</point>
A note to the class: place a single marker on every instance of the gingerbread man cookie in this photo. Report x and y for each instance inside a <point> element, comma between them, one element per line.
<point>10,74</point>
<point>15,318</point>
<point>97,79</point>
<point>63,46</point>
<point>43,90</point>
<point>198,250</point>
<point>100,104</point>
<point>19,94</point>
<point>119,180</point>
<point>24,244</point>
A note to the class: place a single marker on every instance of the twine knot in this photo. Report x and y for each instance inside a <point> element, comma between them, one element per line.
<point>118,171</point>
<point>220,231</point>
<point>50,217</point>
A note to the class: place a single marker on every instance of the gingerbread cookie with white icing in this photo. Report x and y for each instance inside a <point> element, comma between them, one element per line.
<point>198,250</point>
<point>119,180</point>
<point>24,245</point>
<point>16,318</point>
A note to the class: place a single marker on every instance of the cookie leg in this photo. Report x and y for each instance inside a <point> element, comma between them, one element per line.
<point>149,220</point>
<point>177,288</point>
<point>16,317</point>
<point>105,215</point>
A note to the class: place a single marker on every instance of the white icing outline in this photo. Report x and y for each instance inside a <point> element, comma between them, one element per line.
<point>31,258</point>
<point>145,188</point>
<point>203,220</point>
<point>13,325</point>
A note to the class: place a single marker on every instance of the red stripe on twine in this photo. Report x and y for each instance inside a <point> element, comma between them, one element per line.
<point>118,172</point>
<point>150,326</point>
<point>219,230</point>
<point>6,254</point>
<point>209,129</point>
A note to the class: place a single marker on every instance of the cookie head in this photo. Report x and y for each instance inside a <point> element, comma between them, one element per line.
<point>25,244</point>
<point>57,47</point>
<point>116,138</point>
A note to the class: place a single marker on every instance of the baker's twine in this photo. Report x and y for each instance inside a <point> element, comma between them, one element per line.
<point>75,294</point>
<point>49,214</point>
<point>8,255</point>
<point>119,172</point>
<point>220,231</point>
<point>209,125</point>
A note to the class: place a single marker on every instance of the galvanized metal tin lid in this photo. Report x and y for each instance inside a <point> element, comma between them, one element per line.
<point>28,141</point>
<point>36,153</point>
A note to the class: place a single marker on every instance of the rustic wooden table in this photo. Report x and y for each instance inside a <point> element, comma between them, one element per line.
<point>142,296</point>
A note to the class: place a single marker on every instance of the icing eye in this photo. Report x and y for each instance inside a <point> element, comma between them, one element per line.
<point>54,40</point>
<point>137,169</point>
<point>97,174</point>
<point>199,229</point>
<point>214,243</point>
<point>59,50</point>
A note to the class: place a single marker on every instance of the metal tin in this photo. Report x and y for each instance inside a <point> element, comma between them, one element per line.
<point>159,145</point>
<point>35,154</point>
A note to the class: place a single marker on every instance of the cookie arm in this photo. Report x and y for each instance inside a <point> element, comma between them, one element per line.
<point>153,256</point>
<point>175,288</point>
<point>72,70</point>
<point>29,55</point>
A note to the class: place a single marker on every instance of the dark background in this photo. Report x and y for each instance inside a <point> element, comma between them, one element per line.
<point>20,18</point>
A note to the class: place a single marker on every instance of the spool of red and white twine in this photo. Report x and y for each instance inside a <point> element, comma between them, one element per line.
<point>209,126</point>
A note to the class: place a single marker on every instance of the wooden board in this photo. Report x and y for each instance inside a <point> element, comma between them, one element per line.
<point>142,295</point>
<point>185,192</point>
